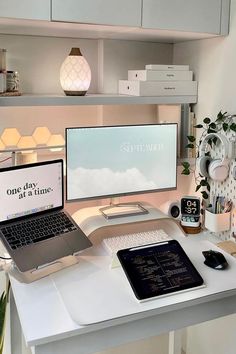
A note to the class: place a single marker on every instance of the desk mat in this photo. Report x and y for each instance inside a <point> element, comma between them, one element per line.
<point>92,292</point>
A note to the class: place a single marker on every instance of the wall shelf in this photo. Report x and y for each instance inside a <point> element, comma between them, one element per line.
<point>92,99</point>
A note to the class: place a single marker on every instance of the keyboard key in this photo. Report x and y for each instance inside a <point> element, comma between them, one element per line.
<point>116,243</point>
<point>37,230</point>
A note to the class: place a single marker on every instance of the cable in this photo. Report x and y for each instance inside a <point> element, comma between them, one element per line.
<point>7,158</point>
<point>5,258</point>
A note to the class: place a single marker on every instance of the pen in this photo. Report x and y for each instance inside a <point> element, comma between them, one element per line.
<point>228,206</point>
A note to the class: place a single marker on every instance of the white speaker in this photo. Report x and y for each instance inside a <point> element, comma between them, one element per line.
<point>172,209</point>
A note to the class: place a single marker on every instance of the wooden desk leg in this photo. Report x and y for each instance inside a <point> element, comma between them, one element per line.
<point>176,341</point>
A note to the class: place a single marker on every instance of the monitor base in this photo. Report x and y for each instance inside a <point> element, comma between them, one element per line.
<point>114,211</point>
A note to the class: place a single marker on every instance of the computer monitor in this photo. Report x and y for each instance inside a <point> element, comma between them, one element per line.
<point>110,161</point>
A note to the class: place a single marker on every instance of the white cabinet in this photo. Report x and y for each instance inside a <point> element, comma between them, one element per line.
<point>25,9</point>
<point>104,12</point>
<point>208,16</point>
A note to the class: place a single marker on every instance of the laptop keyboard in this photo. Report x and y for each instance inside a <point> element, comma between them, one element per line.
<point>38,229</point>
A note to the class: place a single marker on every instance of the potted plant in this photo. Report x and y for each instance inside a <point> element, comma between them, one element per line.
<point>3,307</point>
<point>223,122</point>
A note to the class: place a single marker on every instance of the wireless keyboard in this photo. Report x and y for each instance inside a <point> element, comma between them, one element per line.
<point>116,243</point>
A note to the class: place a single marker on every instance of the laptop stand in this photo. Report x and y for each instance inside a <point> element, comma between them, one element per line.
<point>42,271</point>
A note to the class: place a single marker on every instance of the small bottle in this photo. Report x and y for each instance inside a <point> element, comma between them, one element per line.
<point>12,81</point>
<point>2,70</point>
<point>3,59</point>
<point>3,81</point>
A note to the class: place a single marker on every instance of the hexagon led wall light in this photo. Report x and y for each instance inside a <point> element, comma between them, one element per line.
<point>2,146</point>
<point>41,135</point>
<point>75,74</point>
<point>26,142</point>
<point>56,140</point>
<point>10,137</point>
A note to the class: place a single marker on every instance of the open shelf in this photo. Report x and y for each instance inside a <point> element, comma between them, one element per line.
<point>91,99</point>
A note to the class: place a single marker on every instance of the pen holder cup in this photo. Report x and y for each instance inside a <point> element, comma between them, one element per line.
<point>217,222</point>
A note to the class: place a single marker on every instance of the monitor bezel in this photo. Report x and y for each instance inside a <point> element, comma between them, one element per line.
<point>105,196</point>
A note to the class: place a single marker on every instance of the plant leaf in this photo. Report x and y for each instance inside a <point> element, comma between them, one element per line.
<point>233,127</point>
<point>185,172</point>
<point>209,131</point>
<point>212,125</point>
<point>221,116</point>
<point>204,195</point>
<point>191,138</point>
<point>3,304</point>
<point>203,182</point>
<point>225,126</point>
<point>198,126</point>
<point>186,164</point>
<point>189,146</point>
<point>210,142</point>
<point>206,120</point>
<point>198,187</point>
<point>214,140</point>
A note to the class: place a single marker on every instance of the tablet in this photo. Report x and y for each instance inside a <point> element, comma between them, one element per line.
<point>159,269</point>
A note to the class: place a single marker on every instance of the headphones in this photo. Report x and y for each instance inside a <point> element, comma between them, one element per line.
<point>216,169</point>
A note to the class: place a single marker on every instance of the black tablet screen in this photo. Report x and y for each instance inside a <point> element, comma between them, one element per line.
<point>158,269</point>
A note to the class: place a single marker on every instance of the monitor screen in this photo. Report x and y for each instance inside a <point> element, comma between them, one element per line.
<point>113,161</point>
<point>30,189</point>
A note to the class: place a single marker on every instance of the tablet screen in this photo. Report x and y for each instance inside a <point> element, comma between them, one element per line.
<point>158,269</point>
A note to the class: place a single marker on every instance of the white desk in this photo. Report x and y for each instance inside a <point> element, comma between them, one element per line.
<point>48,326</point>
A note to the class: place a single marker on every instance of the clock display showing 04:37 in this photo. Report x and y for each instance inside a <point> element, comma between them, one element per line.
<point>190,211</point>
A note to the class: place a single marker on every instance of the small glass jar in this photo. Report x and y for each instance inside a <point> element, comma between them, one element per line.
<point>3,59</point>
<point>12,81</point>
<point>3,76</point>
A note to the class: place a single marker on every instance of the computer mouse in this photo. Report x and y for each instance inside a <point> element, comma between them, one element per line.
<point>215,259</point>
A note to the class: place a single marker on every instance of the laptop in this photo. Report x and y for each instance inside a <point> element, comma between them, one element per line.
<point>34,227</point>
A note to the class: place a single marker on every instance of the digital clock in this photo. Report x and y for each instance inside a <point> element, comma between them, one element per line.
<point>190,211</point>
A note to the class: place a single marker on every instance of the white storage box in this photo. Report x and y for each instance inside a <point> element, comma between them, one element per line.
<point>166,67</point>
<point>158,88</point>
<point>159,75</point>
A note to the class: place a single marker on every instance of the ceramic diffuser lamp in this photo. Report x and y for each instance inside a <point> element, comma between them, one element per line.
<point>75,74</point>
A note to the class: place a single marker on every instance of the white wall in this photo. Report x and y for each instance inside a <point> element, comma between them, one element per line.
<point>119,56</point>
<point>213,63</point>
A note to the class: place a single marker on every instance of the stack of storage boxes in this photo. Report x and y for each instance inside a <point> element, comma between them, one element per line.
<point>159,80</point>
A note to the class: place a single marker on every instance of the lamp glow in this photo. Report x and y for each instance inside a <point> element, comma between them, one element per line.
<point>41,135</point>
<point>56,140</point>
<point>75,74</point>
<point>10,137</point>
<point>2,146</point>
<point>26,142</point>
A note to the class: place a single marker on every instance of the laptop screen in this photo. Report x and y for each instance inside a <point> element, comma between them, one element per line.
<point>30,189</point>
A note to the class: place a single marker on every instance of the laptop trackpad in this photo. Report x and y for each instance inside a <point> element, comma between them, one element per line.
<point>53,249</point>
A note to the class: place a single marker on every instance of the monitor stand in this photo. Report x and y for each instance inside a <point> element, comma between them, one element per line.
<point>96,227</point>
<point>117,210</point>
